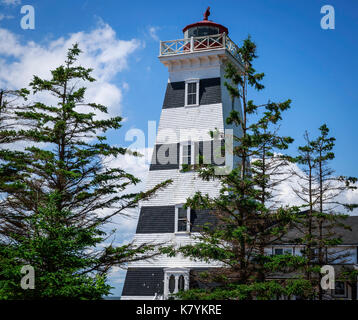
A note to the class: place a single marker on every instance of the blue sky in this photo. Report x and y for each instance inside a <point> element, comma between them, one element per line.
<point>315,68</point>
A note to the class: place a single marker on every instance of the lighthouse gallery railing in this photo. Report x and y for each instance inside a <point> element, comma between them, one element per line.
<point>195,44</point>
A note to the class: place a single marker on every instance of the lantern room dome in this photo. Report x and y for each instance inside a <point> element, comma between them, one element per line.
<point>204,27</point>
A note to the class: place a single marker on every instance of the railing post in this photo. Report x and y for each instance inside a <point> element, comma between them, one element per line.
<point>224,40</point>
<point>160,48</point>
<point>191,44</point>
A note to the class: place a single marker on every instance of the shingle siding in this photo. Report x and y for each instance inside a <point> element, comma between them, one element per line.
<point>209,93</point>
<point>184,185</point>
<point>166,156</point>
<point>200,218</point>
<point>143,282</point>
<point>159,219</point>
<point>150,281</point>
<point>174,95</point>
<point>197,121</point>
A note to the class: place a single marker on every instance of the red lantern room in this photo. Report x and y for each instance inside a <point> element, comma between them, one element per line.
<point>204,27</point>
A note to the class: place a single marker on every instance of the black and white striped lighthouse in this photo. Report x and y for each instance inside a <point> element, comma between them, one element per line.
<point>195,103</point>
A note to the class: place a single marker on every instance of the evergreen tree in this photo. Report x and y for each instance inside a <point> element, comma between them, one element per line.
<point>247,221</point>
<point>11,160</point>
<point>319,226</point>
<point>55,215</point>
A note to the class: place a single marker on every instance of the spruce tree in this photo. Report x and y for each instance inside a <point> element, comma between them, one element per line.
<point>323,217</point>
<point>55,215</point>
<point>247,221</point>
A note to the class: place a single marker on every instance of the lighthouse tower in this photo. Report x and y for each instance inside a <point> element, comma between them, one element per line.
<point>196,103</point>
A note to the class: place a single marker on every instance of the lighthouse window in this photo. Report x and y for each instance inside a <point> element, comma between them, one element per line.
<point>182,219</point>
<point>182,215</point>
<point>192,93</point>
<point>202,31</point>
<point>171,284</point>
<point>175,280</point>
<point>181,283</point>
<point>186,155</point>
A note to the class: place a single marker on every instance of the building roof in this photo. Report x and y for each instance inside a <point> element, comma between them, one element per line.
<point>348,236</point>
<point>207,23</point>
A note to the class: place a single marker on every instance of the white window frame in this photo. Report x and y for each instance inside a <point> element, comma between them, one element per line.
<point>187,219</point>
<point>192,150</point>
<point>197,81</point>
<point>176,272</point>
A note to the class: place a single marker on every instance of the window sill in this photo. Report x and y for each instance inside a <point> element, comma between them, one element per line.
<point>182,233</point>
<point>191,105</point>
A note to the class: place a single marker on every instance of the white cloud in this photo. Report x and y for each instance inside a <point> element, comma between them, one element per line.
<point>138,166</point>
<point>101,50</point>
<point>286,195</point>
<point>11,2</point>
<point>153,33</point>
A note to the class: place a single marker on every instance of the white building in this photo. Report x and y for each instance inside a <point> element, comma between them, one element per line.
<point>196,102</point>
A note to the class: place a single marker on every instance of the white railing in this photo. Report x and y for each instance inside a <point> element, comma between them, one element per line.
<point>194,44</point>
<point>232,48</point>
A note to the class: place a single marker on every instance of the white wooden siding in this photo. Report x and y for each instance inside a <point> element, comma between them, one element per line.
<point>179,124</point>
<point>185,185</point>
<point>164,260</point>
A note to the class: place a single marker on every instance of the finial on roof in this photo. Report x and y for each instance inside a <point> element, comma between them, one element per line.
<point>207,13</point>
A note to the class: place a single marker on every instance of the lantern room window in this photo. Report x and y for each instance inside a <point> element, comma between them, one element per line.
<point>192,92</point>
<point>202,31</point>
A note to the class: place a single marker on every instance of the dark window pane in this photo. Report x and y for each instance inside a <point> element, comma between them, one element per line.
<point>198,151</point>
<point>191,99</point>
<point>193,32</point>
<point>181,225</point>
<point>188,148</point>
<point>171,284</point>
<point>181,283</point>
<point>181,213</point>
<point>204,31</point>
<point>278,251</point>
<point>192,87</point>
<point>186,157</point>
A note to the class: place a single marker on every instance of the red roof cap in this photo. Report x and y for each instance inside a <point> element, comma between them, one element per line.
<point>207,23</point>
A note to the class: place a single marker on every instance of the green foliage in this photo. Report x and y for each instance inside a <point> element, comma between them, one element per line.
<point>319,225</point>
<point>246,222</point>
<point>58,253</point>
<point>269,290</point>
<point>61,192</point>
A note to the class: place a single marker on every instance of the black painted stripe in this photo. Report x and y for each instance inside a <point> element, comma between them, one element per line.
<point>209,93</point>
<point>143,282</point>
<point>161,219</point>
<point>150,281</point>
<point>201,218</point>
<point>166,156</point>
<point>158,219</point>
